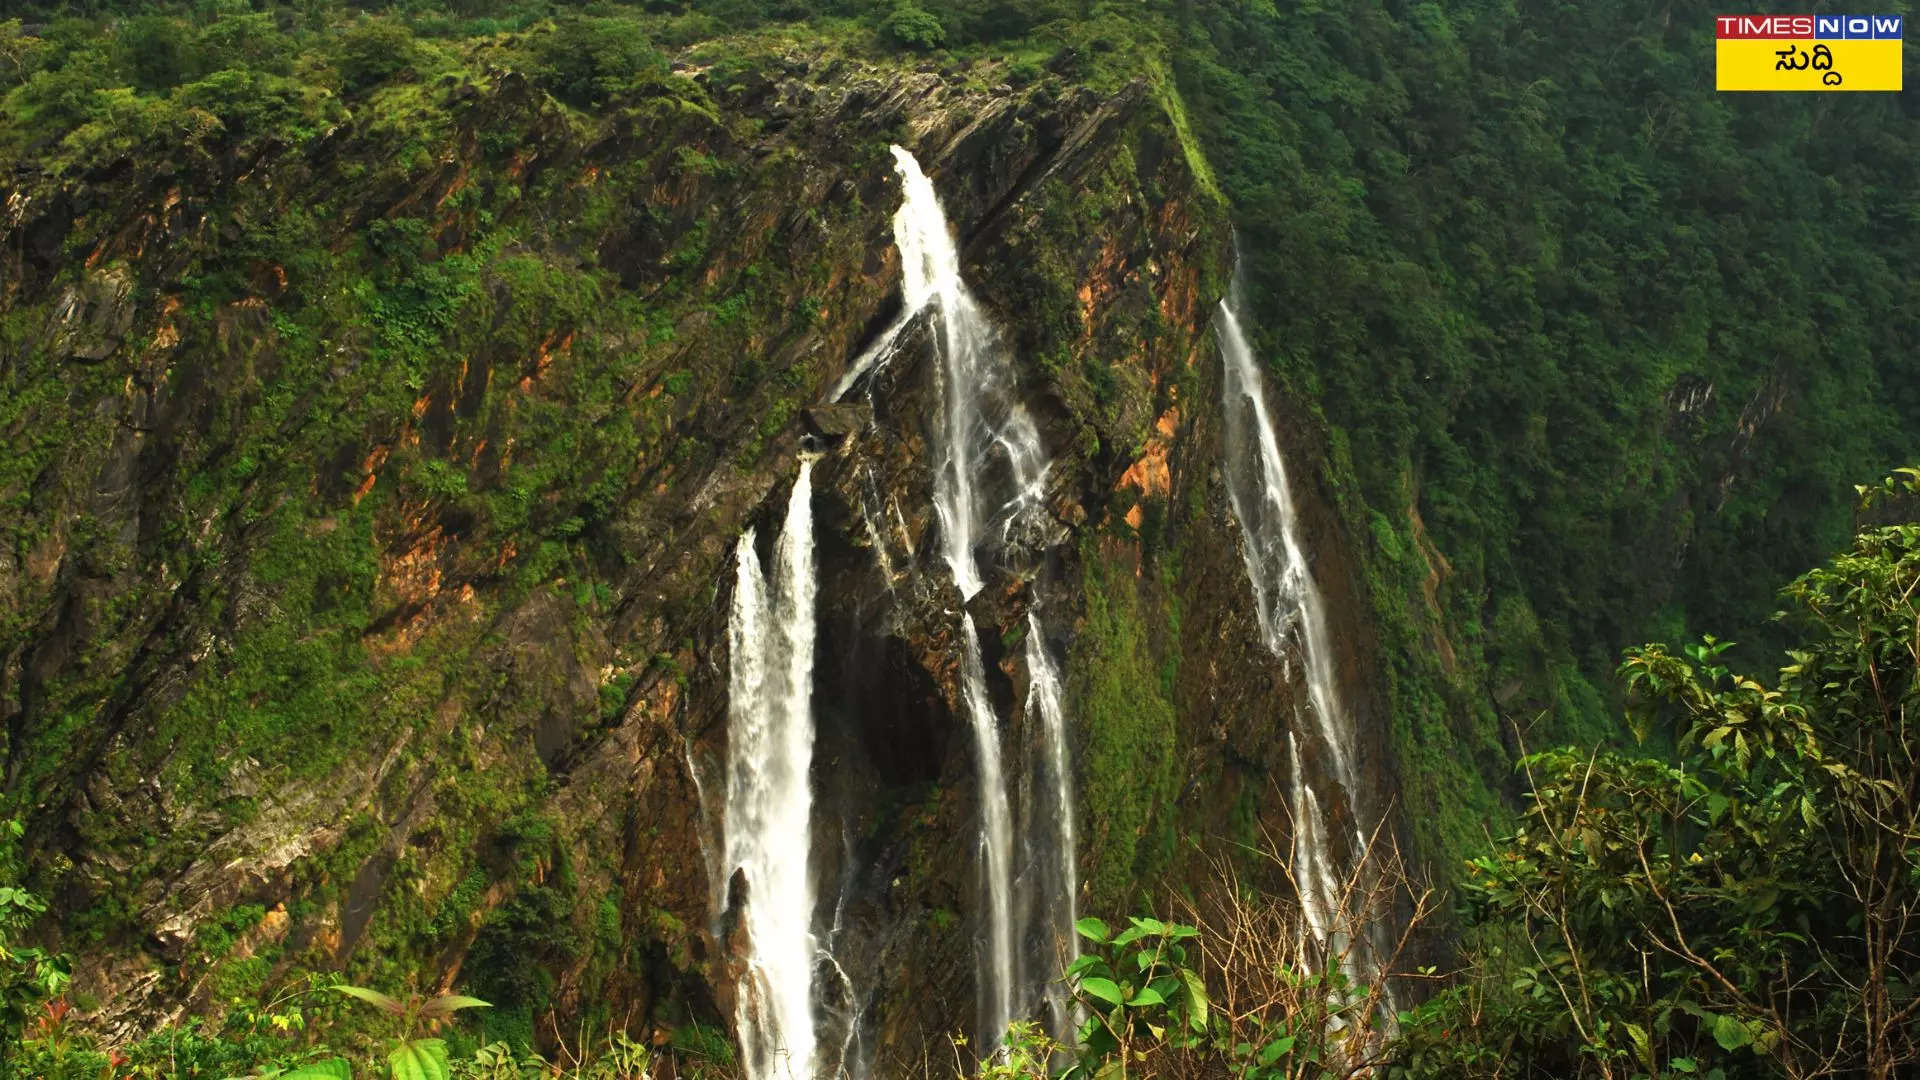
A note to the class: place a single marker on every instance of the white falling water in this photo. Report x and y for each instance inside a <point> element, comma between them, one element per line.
<point>1046,693</point>
<point>1289,607</point>
<point>996,843</point>
<point>991,473</point>
<point>769,753</point>
<point>926,252</point>
<point>1283,590</point>
<point>1312,868</point>
<point>988,442</point>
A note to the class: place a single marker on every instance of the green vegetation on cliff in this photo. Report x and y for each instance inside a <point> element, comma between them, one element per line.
<point>1740,905</point>
<point>387,394</point>
<point>1601,349</point>
<point>1593,354</point>
<point>1132,737</point>
<point>1552,300</point>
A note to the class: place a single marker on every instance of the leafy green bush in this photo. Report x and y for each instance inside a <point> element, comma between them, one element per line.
<point>29,977</point>
<point>585,60</point>
<point>1741,908</point>
<point>914,27</point>
<point>252,104</point>
<point>126,122</point>
<point>412,1056</point>
<point>19,54</point>
<point>374,51</point>
<point>1139,987</point>
<point>160,53</point>
<point>248,43</point>
<point>63,81</point>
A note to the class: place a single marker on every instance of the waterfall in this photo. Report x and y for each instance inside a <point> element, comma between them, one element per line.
<point>1291,612</point>
<point>768,807</point>
<point>1285,598</point>
<point>1045,692</point>
<point>926,254</point>
<point>990,475</point>
<point>1312,868</point>
<point>987,440</point>
<point>996,843</point>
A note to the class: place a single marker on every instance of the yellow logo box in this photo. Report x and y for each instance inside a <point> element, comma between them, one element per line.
<point>1804,64</point>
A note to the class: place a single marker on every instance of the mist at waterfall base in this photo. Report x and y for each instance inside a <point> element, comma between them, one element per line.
<point>1293,623</point>
<point>768,802</point>
<point>989,474</point>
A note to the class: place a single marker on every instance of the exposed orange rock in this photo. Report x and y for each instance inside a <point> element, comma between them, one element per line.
<point>44,560</point>
<point>167,335</point>
<point>1102,281</point>
<point>1134,517</point>
<point>1151,475</point>
<point>659,707</point>
<point>327,938</point>
<point>454,187</point>
<point>543,358</point>
<point>371,467</point>
<point>413,575</point>
<point>411,580</point>
<point>1180,298</point>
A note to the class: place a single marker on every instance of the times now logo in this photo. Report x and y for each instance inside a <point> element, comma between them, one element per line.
<point>1828,27</point>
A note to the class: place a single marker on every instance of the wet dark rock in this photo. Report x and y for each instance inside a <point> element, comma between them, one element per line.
<point>91,320</point>
<point>836,422</point>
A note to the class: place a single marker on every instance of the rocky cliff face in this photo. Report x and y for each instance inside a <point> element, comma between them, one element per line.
<point>365,587</point>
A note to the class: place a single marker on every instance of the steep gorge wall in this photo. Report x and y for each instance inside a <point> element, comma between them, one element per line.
<point>365,580</point>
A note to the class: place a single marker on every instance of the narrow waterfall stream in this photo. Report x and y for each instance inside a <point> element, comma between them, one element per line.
<point>926,256</point>
<point>1293,619</point>
<point>768,805</point>
<point>996,842</point>
<point>1046,693</point>
<point>990,474</point>
<point>1285,598</point>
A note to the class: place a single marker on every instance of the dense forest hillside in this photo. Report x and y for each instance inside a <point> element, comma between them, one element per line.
<point>387,388</point>
<point>1601,353</point>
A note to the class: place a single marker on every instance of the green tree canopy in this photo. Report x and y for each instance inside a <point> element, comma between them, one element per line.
<point>1750,907</point>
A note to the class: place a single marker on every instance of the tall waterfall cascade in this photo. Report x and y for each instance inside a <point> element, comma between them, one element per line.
<point>1293,620</point>
<point>990,475</point>
<point>1285,597</point>
<point>770,733</point>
